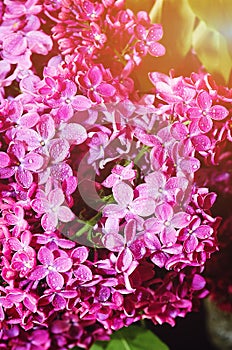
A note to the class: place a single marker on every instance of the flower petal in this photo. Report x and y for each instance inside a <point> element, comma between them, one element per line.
<point>55,280</point>
<point>218,112</point>
<point>38,273</point>
<point>62,264</point>
<point>123,193</point>
<point>83,273</point>
<point>65,214</point>
<point>81,103</point>
<point>143,206</point>
<point>45,256</point>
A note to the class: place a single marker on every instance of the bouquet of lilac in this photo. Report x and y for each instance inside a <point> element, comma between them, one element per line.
<point>105,214</point>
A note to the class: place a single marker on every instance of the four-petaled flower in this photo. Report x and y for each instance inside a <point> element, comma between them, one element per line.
<point>51,208</point>
<point>51,268</point>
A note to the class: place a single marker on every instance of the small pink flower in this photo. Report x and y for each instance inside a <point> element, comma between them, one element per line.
<point>96,88</point>
<point>51,268</point>
<point>124,196</point>
<point>52,209</point>
<point>206,109</point>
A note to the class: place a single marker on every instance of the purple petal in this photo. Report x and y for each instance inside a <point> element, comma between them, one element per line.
<point>4,160</point>
<point>168,236</point>
<point>181,220</point>
<point>59,302</point>
<point>155,33</point>
<point>30,303</point>
<point>33,161</point>
<point>59,149</point>
<point>30,136</point>
<point>198,282</point>
<point>113,242</point>
<point>62,264</point>
<point>143,206</point>
<point>130,230</point>
<point>194,112</point>
<point>29,119</point>
<point>164,212</point>
<point>40,206</point>
<point>152,241</point>
<point>65,214</point>
<point>49,221</point>
<point>46,127</point>
<point>5,173</point>
<point>95,76</point>
<point>124,260</point>
<point>156,49</point>
<point>111,225</point>
<point>190,165</point>
<point>123,193</point>
<point>203,231</point>
<point>38,273</point>
<point>15,43</point>
<point>201,142</point>
<point>179,131</point>
<point>55,280</point>
<point>218,112</point>
<point>14,243</point>
<point>56,197</point>
<point>70,89</point>
<point>45,256</point>
<point>81,103</point>
<point>74,133</point>
<point>205,124</point>
<point>80,254</point>
<point>190,244</point>
<point>110,180</point>
<point>153,225</point>
<point>140,32</point>
<point>159,259</point>
<point>39,42</point>
<point>61,171</point>
<point>17,149</point>
<point>174,249</point>
<point>204,100</point>
<point>24,177</point>
<point>106,90</point>
<point>83,273</point>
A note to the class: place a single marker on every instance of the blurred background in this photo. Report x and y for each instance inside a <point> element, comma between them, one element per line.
<point>196,33</point>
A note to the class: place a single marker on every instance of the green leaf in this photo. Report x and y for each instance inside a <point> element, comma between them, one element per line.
<point>217,14</point>
<point>98,346</point>
<point>130,338</point>
<point>211,48</point>
<point>135,338</point>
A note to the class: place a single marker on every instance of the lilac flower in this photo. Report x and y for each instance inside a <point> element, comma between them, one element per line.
<point>122,243</point>
<point>120,173</point>
<point>124,196</point>
<point>25,164</point>
<point>51,209</point>
<point>93,83</point>
<point>205,108</point>
<point>63,97</point>
<point>23,262</point>
<point>159,188</point>
<point>167,221</point>
<point>148,40</point>
<point>51,268</point>
<point>194,233</point>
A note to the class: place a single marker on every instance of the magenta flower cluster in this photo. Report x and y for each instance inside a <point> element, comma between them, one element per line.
<point>105,200</point>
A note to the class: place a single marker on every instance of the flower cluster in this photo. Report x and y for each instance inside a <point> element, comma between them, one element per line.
<point>105,207</point>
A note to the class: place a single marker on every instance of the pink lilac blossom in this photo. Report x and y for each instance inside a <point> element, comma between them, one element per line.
<point>145,159</point>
